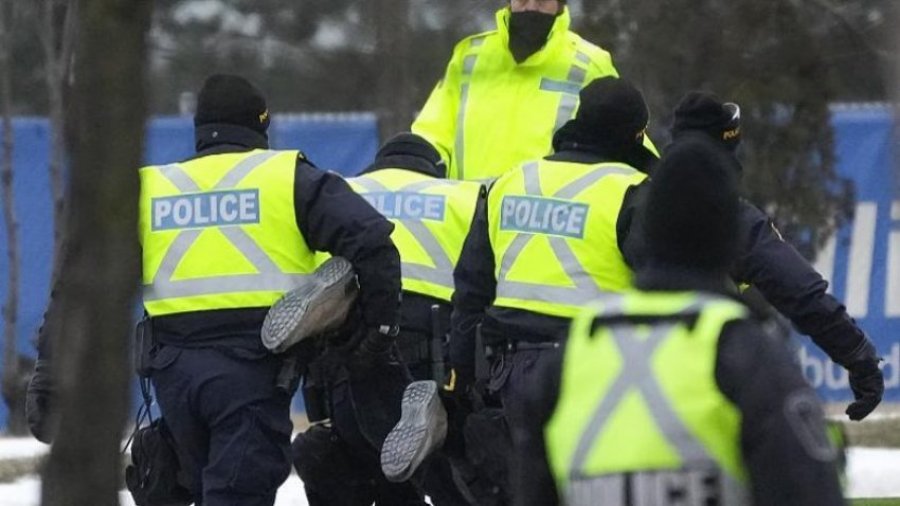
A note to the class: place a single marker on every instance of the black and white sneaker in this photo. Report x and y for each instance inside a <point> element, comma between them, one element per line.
<point>421,430</point>
<point>320,304</point>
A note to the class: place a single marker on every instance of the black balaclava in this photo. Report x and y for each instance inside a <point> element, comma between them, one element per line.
<point>528,32</point>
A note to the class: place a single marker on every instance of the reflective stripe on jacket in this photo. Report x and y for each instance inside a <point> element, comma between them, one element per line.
<point>488,114</point>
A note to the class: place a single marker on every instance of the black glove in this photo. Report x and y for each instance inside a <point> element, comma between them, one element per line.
<point>375,346</point>
<point>866,379</point>
<point>39,399</point>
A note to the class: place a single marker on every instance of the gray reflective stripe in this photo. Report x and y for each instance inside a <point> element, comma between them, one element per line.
<point>459,149</point>
<point>182,243</point>
<point>251,251</point>
<point>178,177</point>
<point>270,276</point>
<point>560,86</point>
<point>223,284</point>
<point>586,287</point>
<point>469,64</point>
<point>429,274</point>
<point>477,41</point>
<point>442,272</point>
<point>637,372</point>
<point>582,57</point>
<point>532,178</point>
<point>244,167</point>
<point>568,101</point>
<point>657,488</point>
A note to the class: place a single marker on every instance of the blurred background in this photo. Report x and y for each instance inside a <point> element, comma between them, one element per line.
<point>817,81</point>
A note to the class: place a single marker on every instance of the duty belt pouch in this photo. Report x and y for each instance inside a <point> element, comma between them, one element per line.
<point>482,367</point>
<point>143,345</point>
<point>437,344</point>
<point>314,396</point>
<point>152,476</point>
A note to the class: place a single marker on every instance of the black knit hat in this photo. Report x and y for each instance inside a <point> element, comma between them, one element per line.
<point>412,152</point>
<point>704,112</point>
<point>231,100</point>
<point>409,144</point>
<point>691,213</point>
<point>611,118</point>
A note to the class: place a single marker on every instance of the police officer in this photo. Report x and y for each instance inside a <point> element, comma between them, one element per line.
<point>674,393</point>
<point>772,267</point>
<point>224,235</point>
<point>407,184</point>
<point>505,92</point>
<point>545,240</point>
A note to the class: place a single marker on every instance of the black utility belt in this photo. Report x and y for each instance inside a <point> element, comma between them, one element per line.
<point>514,346</point>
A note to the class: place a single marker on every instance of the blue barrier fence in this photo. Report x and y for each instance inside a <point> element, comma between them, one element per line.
<point>863,261</point>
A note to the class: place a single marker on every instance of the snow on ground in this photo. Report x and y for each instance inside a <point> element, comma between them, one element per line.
<point>27,492</point>
<point>871,472</point>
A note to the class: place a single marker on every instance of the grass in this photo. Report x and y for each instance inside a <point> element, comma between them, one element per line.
<point>875,502</point>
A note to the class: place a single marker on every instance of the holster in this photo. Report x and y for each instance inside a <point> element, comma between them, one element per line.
<point>438,343</point>
<point>154,475</point>
<point>482,365</point>
<point>315,394</point>
<point>143,347</point>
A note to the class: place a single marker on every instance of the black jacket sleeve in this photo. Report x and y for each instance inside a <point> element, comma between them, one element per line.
<point>334,219</point>
<point>475,290</point>
<point>791,285</point>
<point>786,452</point>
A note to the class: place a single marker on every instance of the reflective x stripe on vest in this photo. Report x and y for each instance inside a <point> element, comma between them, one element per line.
<point>268,278</point>
<point>585,287</point>
<point>638,428</point>
<point>442,272</point>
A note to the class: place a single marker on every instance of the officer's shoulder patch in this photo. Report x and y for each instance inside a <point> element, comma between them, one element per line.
<point>807,421</point>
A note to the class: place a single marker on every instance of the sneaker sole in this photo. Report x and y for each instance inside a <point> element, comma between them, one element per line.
<point>421,430</point>
<point>311,309</point>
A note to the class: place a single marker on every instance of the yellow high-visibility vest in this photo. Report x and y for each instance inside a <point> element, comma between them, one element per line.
<point>220,232</point>
<point>431,217</point>
<point>639,410</point>
<point>553,234</point>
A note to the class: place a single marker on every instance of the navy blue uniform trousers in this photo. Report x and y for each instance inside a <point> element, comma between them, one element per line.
<point>231,425</point>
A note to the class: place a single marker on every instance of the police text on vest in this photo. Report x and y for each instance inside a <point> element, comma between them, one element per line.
<point>407,205</point>
<point>209,209</point>
<point>538,215</point>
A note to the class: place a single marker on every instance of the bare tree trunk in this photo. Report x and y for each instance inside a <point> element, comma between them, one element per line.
<point>102,261</point>
<point>58,42</point>
<point>394,105</point>
<point>13,384</point>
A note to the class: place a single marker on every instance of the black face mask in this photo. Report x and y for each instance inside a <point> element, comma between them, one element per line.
<point>528,31</point>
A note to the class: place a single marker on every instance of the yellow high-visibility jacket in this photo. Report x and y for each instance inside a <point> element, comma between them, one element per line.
<point>489,114</point>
